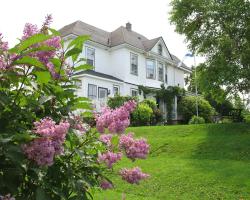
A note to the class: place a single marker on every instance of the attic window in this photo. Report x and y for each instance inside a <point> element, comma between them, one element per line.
<point>160,49</point>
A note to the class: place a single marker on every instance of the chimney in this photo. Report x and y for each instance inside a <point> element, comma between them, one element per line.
<point>129,26</point>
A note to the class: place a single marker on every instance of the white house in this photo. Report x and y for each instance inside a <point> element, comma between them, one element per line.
<point>122,60</point>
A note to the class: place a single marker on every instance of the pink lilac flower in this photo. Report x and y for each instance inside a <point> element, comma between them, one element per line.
<point>106,185</point>
<point>42,150</point>
<point>109,158</point>
<point>133,176</point>
<point>29,30</point>
<point>3,45</point>
<point>106,139</point>
<point>48,21</point>
<point>134,148</point>
<point>115,120</point>
<point>78,124</point>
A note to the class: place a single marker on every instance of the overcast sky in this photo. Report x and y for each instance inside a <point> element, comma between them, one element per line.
<point>148,17</point>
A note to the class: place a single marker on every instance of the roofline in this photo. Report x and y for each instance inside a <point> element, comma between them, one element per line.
<point>93,76</point>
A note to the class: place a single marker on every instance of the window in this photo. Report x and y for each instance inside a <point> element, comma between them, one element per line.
<point>160,72</point>
<point>150,64</point>
<point>90,56</point>
<point>92,91</point>
<point>116,90</point>
<point>166,75</point>
<point>133,64</point>
<point>160,49</point>
<point>102,93</point>
<point>134,92</point>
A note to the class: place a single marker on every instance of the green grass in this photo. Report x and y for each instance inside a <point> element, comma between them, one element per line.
<point>190,162</point>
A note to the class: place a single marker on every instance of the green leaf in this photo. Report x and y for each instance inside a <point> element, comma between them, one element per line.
<point>41,48</point>
<point>83,67</point>
<point>115,141</point>
<point>78,41</point>
<point>43,77</point>
<point>34,39</point>
<point>56,62</point>
<point>54,32</point>
<point>22,137</point>
<point>82,105</point>
<point>73,51</point>
<point>27,60</point>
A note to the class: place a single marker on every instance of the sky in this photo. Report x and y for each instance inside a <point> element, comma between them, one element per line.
<point>148,17</point>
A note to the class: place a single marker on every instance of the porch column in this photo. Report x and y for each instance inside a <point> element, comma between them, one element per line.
<point>175,108</point>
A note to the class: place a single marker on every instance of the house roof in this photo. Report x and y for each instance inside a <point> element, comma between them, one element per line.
<point>119,36</point>
<point>98,74</point>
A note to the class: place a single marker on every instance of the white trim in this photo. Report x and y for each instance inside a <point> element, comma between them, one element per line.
<point>97,77</point>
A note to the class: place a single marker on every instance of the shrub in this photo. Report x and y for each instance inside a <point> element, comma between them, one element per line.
<point>117,101</point>
<point>247,118</point>
<point>142,115</point>
<point>226,121</point>
<point>196,120</point>
<point>187,107</point>
<point>157,116</point>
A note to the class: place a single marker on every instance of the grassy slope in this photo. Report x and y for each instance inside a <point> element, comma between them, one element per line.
<point>190,162</point>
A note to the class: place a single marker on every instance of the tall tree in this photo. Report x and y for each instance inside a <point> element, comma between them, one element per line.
<point>220,31</point>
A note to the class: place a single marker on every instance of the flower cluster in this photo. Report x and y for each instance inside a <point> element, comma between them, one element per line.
<point>106,185</point>
<point>115,120</point>
<point>3,48</point>
<point>106,139</point>
<point>133,176</point>
<point>50,143</point>
<point>54,43</point>
<point>109,158</point>
<point>134,148</point>
<point>77,123</point>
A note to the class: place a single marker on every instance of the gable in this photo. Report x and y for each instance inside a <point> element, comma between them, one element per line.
<point>165,51</point>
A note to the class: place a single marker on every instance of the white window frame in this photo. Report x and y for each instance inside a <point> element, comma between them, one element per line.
<point>158,70</point>
<point>86,55</point>
<point>131,71</point>
<point>90,97</point>
<point>136,90</point>
<point>116,86</point>
<point>154,75</point>
<point>102,88</point>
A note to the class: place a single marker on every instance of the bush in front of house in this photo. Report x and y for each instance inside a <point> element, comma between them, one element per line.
<point>142,115</point>
<point>117,101</point>
<point>157,116</point>
<point>196,120</point>
<point>247,118</point>
<point>187,107</point>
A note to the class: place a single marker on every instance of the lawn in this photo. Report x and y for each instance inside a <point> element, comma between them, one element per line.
<point>190,162</point>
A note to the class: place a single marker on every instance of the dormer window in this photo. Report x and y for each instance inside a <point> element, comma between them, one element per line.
<point>90,56</point>
<point>160,49</point>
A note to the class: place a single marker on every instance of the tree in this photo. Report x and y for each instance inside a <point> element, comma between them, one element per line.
<point>220,31</point>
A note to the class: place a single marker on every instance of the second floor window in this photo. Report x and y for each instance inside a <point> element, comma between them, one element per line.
<point>150,69</point>
<point>133,64</point>
<point>90,56</point>
<point>160,72</point>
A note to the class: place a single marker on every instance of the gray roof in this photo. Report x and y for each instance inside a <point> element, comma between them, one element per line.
<point>119,36</point>
<point>98,74</point>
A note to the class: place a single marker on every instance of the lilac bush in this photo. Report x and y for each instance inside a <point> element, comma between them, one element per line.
<point>47,151</point>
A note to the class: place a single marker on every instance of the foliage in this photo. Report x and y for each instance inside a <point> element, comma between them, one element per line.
<point>157,116</point>
<point>117,101</point>
<point>187,108</point>
<point>196,120</point>
<point>166,95</point>
<point>247,118</point>
<point>226,120</point>
<point>191,162</point>
<point>142,115</point>
<point>220,32</point>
